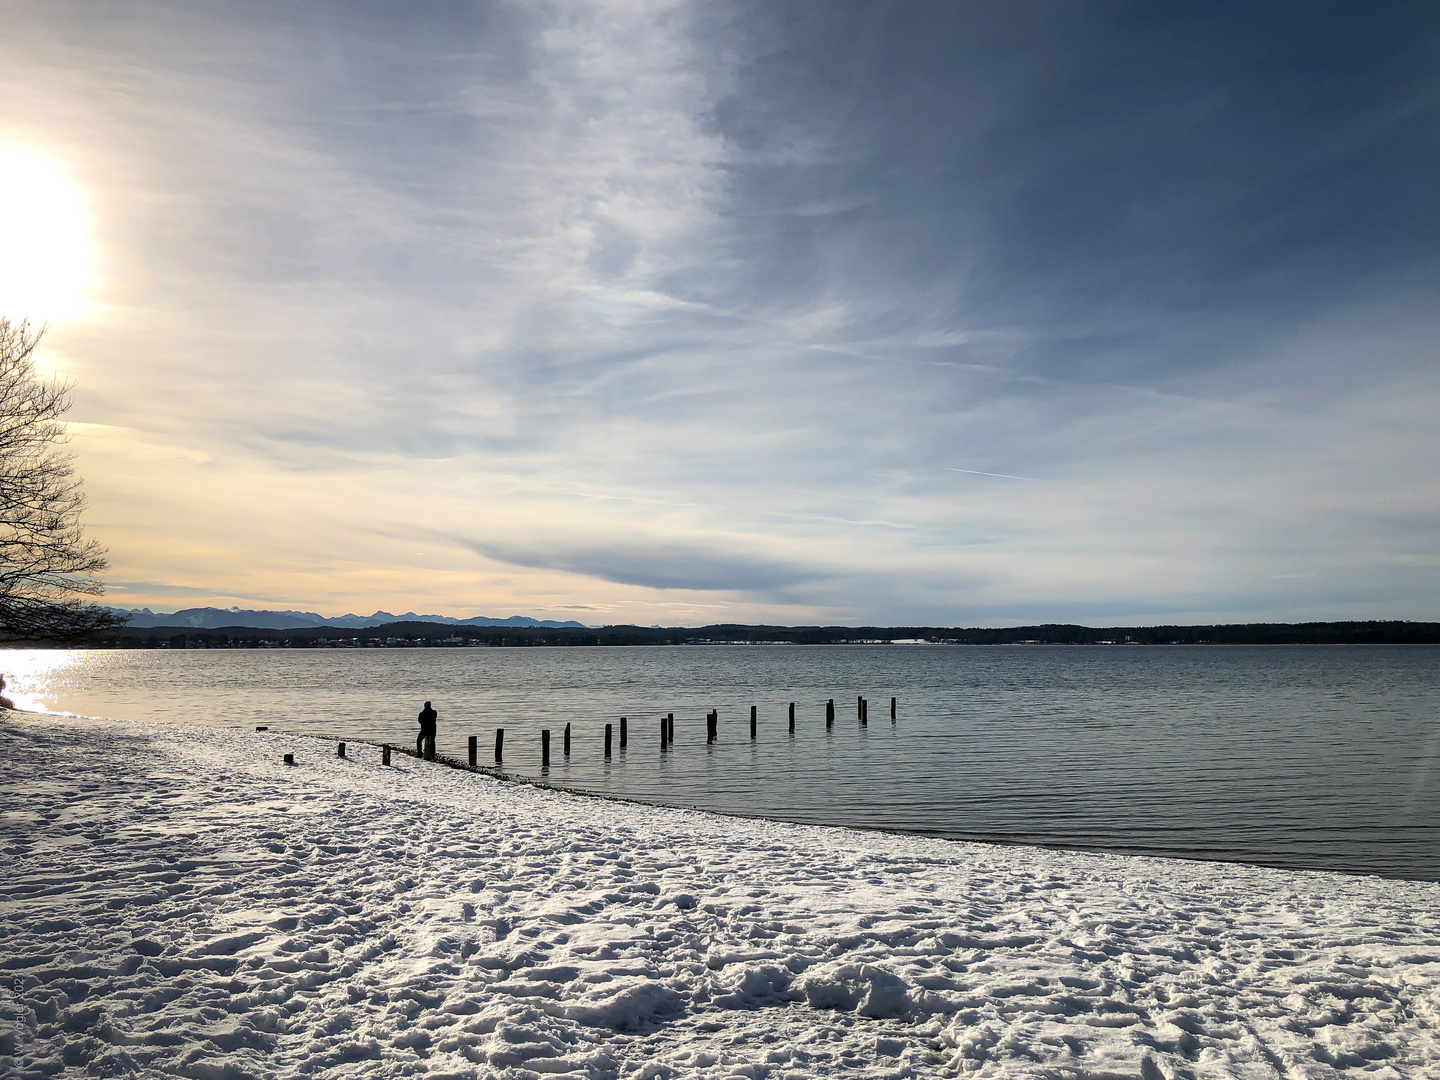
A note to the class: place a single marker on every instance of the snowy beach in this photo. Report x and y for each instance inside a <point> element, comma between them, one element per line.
<point>178,901</point>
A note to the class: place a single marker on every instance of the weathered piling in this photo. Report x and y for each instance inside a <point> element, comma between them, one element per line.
<point>670,725</point>
<point>607,739</point>
<point>340,750</point>
<point>474,749</point>
<point>567,740</point>
<point>499,743</point>
<point>289,759</point>
<point>752,721</point>
<point>892,710</point>
<point>544,747</point>
<point>864,712</point>
<point>792,718</point>
<point>385,754</point>
<point>624,734</point>
<point>860,709</point>
<point>712,726</point>
<point>664,733</point>
<point>830,713</point>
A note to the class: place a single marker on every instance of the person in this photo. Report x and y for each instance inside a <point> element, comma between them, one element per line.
<point>425,741</point>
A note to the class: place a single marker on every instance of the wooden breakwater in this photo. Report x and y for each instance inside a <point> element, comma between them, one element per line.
<point>471,762</point>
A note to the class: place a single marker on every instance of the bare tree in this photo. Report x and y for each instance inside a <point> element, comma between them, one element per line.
<point>47,564</point>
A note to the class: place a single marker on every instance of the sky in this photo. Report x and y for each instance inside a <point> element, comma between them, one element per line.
<point>663,312</point>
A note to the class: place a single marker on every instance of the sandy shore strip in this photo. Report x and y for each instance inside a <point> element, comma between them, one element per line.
<point>176,901</point>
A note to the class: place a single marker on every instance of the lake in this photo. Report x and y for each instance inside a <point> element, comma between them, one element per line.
<point>1321,757</point>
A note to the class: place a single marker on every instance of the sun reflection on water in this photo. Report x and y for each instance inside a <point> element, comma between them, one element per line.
<point>39,679</point>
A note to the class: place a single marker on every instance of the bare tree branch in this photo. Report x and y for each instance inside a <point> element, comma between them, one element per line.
<point>46,561</point>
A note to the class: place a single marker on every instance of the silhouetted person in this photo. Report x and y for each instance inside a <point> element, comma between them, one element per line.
<point>425,741</point>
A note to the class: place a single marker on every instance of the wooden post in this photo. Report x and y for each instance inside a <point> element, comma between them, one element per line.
<point>664,734</point>
<point>385,754</point>
<point>712,726</point>
<point>544,748</point>
<point>624,735</point>
<point>892,710</point>
<point>289,759</point>
<point>262,727</point>
<point>499,743</point>
<point>430,747</point>
<point>830,713</point>
<point>340,750</point>
<point>792,718</point>
<point>474,748</point>
<point>567,740</point>
<point>670,725</point>
<point>607,740</point>
<point>860,709</point>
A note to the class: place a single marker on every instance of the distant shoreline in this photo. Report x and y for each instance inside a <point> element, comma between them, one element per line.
<point>412,634</point>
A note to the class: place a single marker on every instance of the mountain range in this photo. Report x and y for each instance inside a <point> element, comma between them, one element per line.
<point>210,618</point>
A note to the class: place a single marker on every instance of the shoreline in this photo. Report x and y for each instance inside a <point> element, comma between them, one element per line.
<point>458,765</point>
<point>454,763</point>
<point>495,774</point>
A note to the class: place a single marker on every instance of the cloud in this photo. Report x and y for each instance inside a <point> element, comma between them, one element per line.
<point>657,566</point>
<point>160,588</point>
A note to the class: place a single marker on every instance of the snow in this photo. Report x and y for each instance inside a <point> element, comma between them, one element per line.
<point>176,901</point>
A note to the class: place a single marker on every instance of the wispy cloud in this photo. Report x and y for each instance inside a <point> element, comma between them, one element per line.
<point>1001,475</point>
<point>649,565</point>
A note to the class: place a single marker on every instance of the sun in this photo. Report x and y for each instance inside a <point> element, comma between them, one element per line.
<point>45,247</point>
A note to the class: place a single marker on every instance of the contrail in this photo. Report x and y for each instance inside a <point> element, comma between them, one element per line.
<point>1002,475</point>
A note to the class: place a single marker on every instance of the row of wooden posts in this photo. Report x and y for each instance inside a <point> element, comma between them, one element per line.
<point>667,732</point>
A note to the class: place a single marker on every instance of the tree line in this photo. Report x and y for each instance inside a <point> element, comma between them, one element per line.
<point>413,634</point>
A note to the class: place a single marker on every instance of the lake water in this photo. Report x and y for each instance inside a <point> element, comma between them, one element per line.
<point>1308,757</point>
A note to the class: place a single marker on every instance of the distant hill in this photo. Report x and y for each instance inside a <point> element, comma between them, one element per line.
<point>209,618</point>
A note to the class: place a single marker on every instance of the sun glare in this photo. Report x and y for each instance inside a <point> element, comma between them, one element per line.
<point>44,239</point>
